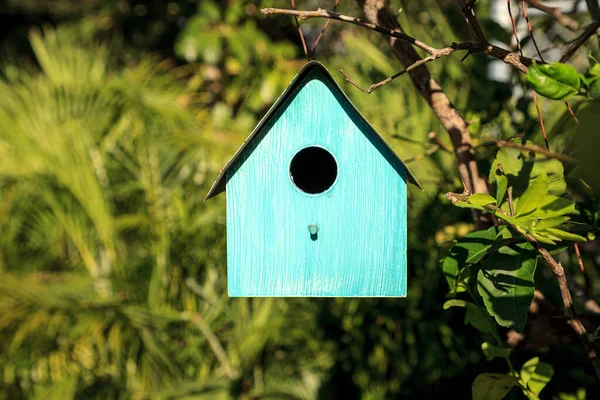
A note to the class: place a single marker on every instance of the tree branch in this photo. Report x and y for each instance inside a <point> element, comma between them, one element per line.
<point>376,13</point>
<point>436,54</point>
<point>577,43</point>
<point>555,13</point>
<point>467,10</point>
<point>534,148</point>
<point>594,9</point>
<point>570,315</point>
<point>517,61</point>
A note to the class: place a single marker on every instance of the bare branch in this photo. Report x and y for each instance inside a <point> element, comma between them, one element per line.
<point>510,201</point>
<point>321,13</point>
<point>570,315</point>
<point>314,48</point>
<point>435,138</point>
<point>577,43</point>
<point>534,148</point>
<point>429,152</point>
<point>436,54</point>
<point>594,9</point>
<point>466,8</point>
<point>541,120</point>
<point>519,62</point>
<point>524,7</point>
<point>556,13</point>
<point>301,34</point>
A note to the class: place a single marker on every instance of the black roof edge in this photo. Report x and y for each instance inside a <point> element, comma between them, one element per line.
<point>219,184</point>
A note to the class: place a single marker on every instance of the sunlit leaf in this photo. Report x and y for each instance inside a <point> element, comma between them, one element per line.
<point>533,196</point>
<point>490,351</point>
<point>536,374</point>
<point>480,199</point>
<point>492,386</point>
<point>556,81</point>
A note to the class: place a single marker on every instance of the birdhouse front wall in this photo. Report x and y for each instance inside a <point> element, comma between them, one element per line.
<point>359,247</point>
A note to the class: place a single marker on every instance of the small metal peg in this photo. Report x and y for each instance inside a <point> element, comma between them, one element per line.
<point>313,228</point>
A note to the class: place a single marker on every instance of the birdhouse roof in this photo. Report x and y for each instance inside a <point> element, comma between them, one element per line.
<point>219,184</point>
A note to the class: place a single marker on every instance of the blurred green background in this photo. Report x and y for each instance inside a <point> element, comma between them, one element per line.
<point>115,117</point>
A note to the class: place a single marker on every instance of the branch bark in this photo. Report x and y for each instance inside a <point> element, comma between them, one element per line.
<point>518,61</point>
<point>466,8</point>
<point>534,148</point>
<point>556,13</point>
<point>376,13</point>
<point>577,43</point>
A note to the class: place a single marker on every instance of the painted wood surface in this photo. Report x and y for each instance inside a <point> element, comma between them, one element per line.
<point>360,248</point>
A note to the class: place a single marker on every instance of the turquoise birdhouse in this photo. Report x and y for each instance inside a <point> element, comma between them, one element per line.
<point>316,200</point>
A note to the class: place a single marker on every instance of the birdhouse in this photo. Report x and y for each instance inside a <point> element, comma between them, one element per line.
<point>316,200</point>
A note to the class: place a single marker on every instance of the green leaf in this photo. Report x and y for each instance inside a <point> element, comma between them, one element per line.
<point>455,303</point>
<point>559,233</point>
<point>594,90</point>
<point>474,316</point>
<point>554,171</point>
<point>501,186</point>
<point>555,81</point>
<point>506,284</point>
<point>480,199</point>
<point>594,68</point>
<point>533,196</point>
<point>551,206</point>
<point>536,374</point>
<point>468,250</point>
<point>477,317</point>
<point>510,159</point>
<point>492,386</point>
<point>546,223</point>
<point>468,205</point>
<point>544,238</point>
<point>490,351</point>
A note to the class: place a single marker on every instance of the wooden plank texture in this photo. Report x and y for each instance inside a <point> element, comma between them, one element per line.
<point>360,249</point>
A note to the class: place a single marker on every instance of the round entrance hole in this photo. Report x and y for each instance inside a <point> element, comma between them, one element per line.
<point>313,170</point>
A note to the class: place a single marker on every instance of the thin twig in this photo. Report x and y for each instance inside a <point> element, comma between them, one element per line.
<point>437,54</point>
<point>594,10</point>
<point>520,62</point>
<point>571,111</point>
<point>436,139</point>
<point>582,269</point>
<point>429,152</point>
<point>314,48</point>
<point>533,147</point>
<point>301,34</point>
<point>321,13</point>
<point>467,10</point>
<point>539,113</point>
<point>577,43</point>
<point>570,315</point>
<point>510,201</point>
<point>537,107</point>
<point>581,266</point>
<point>556,13</point>
<point>514,27</point>
<point>524,7</point>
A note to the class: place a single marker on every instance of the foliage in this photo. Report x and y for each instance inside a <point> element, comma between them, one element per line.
<point>112,267</point>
